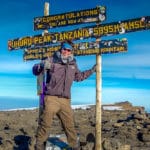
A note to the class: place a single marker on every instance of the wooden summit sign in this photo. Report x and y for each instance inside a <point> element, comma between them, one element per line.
<point>84,48</point>
<point>97,14</point>
<point>94,31</point>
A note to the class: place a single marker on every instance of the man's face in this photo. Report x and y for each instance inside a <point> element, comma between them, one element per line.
<point>66,52</point>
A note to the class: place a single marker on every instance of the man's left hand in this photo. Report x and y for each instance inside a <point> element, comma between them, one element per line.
<point>94,68</point>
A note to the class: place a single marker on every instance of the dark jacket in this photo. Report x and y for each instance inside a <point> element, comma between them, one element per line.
<point>61,76</point>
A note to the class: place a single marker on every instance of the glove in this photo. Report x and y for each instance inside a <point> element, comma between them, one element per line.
<point>94,68</point>
<point>47,64</point>
<point>37,69</point>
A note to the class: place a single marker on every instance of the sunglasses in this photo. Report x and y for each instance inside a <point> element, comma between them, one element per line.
<point>66,50</point>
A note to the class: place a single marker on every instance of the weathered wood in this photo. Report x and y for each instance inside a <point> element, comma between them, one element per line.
<point>98,102</point>
<point>46,9</point>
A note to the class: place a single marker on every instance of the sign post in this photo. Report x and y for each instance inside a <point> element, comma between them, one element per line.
<point>98,102</point>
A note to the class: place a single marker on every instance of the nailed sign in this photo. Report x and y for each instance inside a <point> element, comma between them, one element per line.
<point>97,14</point>
<point>95,31</point>
<point>85,48</point>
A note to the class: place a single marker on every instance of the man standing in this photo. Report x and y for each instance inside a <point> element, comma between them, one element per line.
<point>62,70</point>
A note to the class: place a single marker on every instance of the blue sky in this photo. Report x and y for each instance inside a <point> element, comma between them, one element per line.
<point>125,76</point>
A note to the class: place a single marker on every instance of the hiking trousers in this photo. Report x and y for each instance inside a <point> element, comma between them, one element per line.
<point>62,107</point>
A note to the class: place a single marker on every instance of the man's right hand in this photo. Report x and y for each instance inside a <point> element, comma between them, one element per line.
<point>47,64</point>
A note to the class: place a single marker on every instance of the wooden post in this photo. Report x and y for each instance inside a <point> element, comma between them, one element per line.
<point>46,9</point>
<point>98,102</point>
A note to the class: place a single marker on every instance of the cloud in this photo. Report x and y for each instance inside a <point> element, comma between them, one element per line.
<point>137,55</point>
<point>127,72</point>
<point>139,97</point>
<point>87,95</point>
<point>141,60</point>
<point>132,64</point>
<point>83,95</point>
<point>15,66</point>
<point>18,86</point>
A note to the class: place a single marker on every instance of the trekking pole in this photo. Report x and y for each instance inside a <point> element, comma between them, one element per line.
<point>41,78</point>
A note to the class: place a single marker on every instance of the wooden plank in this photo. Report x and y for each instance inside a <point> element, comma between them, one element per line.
<point>80,49</point>
<point>97,14</point>
<point>95,31</point>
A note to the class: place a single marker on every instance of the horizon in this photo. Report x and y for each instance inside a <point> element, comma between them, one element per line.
<point>35,105</point>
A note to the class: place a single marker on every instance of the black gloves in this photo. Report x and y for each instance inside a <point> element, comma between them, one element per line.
<point>44,65</point>
<point>37,69</point>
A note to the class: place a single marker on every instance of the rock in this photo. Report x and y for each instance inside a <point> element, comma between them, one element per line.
<point>146,137</point>
<point>118,124</point>
<point>121,129</point>
<point>125,147</point>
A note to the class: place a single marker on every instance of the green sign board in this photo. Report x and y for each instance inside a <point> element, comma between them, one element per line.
<point>97,14</point>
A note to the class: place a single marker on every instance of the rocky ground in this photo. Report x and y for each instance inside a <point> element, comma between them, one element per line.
<point>127,129</point>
